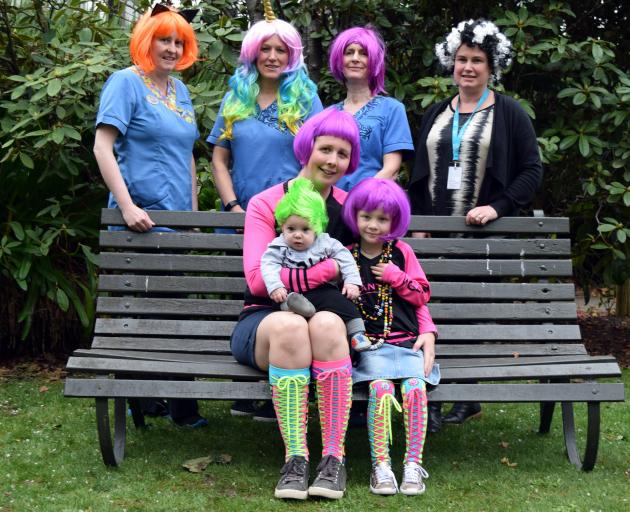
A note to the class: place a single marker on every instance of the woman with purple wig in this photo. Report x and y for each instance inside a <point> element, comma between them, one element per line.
<point>291,348</point>
<point>270,96</point>
<point>357,60</point>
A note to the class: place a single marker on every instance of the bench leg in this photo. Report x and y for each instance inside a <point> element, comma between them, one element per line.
<point>136,413</point>
<point>546,415</point>
<point>592,435</point>
<point>113,453</point>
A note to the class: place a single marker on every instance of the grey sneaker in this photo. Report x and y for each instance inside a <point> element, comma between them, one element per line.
<point>382,480</point>
<point>330,481</point>
<point>412,482</point>
<point>300,305</point>
<point>294,481</point>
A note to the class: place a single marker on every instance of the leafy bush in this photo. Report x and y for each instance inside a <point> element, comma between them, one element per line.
<point>572,77</point>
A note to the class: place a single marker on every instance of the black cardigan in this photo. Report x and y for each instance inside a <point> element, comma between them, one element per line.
<point>513,168</point>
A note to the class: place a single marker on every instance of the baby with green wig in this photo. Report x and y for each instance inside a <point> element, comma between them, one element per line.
<point>301,215</point>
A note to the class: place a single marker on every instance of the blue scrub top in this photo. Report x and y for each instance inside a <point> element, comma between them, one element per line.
<point>383,128</point>
<point>262,151</point>
<point>154,148</point>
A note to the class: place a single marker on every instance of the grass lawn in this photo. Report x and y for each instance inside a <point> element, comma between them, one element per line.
<point>49,460</point>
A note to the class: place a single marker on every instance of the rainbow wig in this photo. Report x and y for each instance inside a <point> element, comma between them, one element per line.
<point>296,91</point>
<point>373,193</point>
<point>164,24</point>
<point>304,201</point>
<point>332,122</point>
<point>372,42</point>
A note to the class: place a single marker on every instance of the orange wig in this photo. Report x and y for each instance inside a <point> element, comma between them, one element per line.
<point>164,24</point>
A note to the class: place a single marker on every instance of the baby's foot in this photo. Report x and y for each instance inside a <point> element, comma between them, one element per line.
<point>300,305</point>
<point>360,342</point>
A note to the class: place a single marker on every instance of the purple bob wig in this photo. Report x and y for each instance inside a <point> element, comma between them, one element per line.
<point>373,193</point>
<point>334,123</point>
<point>372,42</point>
<point>263,30</point>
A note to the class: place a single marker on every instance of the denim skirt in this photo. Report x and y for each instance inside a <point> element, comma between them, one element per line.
<point>393,362</point>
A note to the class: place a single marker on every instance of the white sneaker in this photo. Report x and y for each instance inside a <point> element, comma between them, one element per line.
<point>383,480</point>
<point>412,483</point>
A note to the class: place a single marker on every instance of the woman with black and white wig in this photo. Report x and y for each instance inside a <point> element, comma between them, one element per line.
<point>476,153</point>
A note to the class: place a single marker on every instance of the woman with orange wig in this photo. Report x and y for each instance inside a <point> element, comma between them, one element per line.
<point>145,131</point>
<point>145,127</point>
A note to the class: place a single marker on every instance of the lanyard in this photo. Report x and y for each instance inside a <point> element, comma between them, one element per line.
<point>457,134</point>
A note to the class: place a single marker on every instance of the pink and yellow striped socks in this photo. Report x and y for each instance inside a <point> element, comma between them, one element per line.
<point>415,414</point>
<point>289,393</point>
<point>334,392</point>
<point>380,402</point>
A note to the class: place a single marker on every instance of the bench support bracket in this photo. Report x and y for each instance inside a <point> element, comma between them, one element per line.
<point>592,435</point>
<point>113,452</point>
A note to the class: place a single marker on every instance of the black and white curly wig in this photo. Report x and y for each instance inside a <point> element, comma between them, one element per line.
<point>481,33</point>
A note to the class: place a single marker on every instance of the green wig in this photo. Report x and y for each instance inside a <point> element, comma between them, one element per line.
<point>304,201</point>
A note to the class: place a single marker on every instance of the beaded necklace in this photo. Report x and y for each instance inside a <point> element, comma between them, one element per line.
<point>384,307</point>
<point>169,100</point>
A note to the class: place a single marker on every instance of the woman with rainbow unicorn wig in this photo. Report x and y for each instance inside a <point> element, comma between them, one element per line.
<point>357,60</point>
<point>270,96</point>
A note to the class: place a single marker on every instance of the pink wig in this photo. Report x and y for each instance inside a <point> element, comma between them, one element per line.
<point>373,193</point>
<point>334,123</point>
<point>372,42</point>
<point>263,30</point>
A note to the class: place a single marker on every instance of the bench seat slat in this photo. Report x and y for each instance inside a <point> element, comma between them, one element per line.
<point>236,285</point>
<point>232,308</point>
<point>444,363</point>
<point>496,393</point>
<point>231,370</point>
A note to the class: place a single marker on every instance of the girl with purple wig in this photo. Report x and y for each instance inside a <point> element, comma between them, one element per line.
<point>393,305</point>
<point>270,96</point>
<point>357,60</point>
<point>291,348</point>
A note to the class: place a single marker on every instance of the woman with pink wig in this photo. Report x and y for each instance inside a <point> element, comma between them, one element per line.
<point>357,60</point>
<point>291,348</point>
<point>270,96</point>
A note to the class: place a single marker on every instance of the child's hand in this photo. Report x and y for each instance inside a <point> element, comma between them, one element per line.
<point>350,290</point>
<point>279,295</point>
<point>378,270</point>
<point>426,342</point>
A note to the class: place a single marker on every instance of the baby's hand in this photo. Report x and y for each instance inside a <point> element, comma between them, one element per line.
<point>350,290</point>
<point>279,295</point>
<point>378,270</point>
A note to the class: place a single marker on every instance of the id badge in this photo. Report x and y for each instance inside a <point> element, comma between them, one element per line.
<point>454,181</point>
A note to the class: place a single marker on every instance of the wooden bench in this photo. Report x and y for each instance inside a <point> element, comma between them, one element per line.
<point>168,302</point>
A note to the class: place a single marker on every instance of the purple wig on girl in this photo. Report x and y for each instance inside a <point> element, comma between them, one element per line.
<point>334,123</point>
<point>372,42</point>
<point>263,30</point>
<point>373,193</point>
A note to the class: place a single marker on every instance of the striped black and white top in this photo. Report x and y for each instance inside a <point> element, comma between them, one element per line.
<point>473,157</point>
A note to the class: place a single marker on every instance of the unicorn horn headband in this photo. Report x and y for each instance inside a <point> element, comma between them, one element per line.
<point>269,15</point>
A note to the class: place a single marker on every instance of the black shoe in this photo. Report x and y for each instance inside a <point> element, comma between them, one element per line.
<point>265,412</point>
<point>461,412</point>
<point>243,408</point>
<point>294,481</point>
<point>435,417</point>
<point>330,481</point>
<point>194,421</point>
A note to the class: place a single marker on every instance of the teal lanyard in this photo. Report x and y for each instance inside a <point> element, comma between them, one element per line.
<point>458,133</point>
